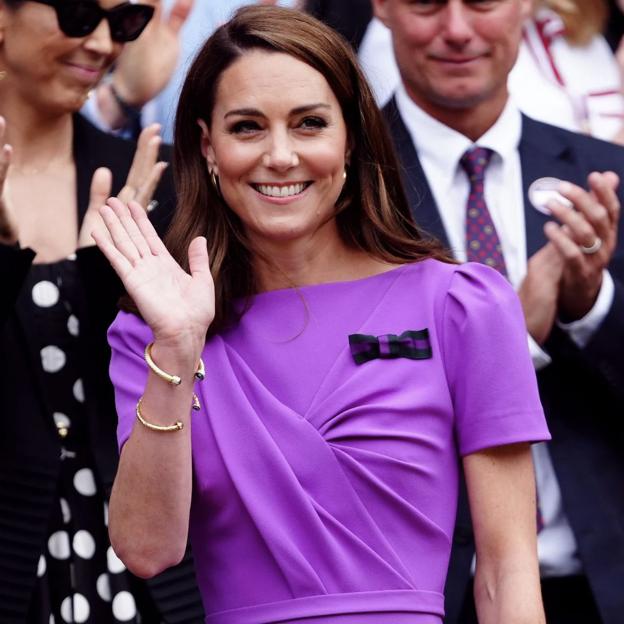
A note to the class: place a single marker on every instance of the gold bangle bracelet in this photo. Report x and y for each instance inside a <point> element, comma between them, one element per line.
<point>177,426</point>
<point>174,380</point>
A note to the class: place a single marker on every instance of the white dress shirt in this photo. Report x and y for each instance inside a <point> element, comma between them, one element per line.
<point>440,149</point>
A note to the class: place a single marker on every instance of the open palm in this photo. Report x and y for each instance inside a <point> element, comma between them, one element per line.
<point>171,301</point>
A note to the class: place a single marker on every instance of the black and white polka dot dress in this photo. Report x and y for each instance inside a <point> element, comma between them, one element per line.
<point>79,577</point>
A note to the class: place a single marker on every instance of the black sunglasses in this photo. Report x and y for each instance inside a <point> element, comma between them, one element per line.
<point>79,18</point>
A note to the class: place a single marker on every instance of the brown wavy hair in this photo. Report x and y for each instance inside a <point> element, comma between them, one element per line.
<point>372,212</point>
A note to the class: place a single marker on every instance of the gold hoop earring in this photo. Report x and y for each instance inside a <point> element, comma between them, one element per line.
<point>214,178</point>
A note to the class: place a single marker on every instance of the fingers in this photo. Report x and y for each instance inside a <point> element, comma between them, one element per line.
<point>101,185</point>
<point>5,161</point>
<point>143,162</point>
<point>579,227</point>
<point>106,245</point>
<point>125,232</point>
<point>142,221</point>
<point>146,192</point>
<point>199,264</point>
<point>604,188</point>
<point>567,248</point>
<point>5,154</point>
<point>179,14</point>
<point>595,213</point>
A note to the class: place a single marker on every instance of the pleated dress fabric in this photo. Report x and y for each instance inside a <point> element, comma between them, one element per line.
<point>325,490</point>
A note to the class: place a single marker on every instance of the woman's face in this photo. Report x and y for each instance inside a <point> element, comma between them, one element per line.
<point>278,142</point>
<point>45,67</point>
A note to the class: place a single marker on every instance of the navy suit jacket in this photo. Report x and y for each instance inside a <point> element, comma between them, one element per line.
<point>582,390</point>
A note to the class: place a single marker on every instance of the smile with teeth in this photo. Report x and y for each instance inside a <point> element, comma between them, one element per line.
<point>285,190</point>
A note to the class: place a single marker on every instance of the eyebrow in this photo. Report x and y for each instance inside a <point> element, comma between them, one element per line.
<point>254,112</point>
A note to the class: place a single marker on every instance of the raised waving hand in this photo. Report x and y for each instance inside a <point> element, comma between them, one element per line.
<point>175,304</point>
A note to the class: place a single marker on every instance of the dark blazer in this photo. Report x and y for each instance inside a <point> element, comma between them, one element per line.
<point>349,17</point>
<point>29,444</point>
<point>582,390</point>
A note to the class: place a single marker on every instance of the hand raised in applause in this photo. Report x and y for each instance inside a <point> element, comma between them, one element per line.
<point>143,177</point>
<point>592,221</point>
<point>539,292</point>
<point>8,227</point>
<point>177,306</point>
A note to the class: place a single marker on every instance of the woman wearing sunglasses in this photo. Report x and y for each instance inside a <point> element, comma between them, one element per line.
<point>57,448</point>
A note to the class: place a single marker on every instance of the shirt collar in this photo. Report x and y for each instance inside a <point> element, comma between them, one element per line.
<point>442,147</point>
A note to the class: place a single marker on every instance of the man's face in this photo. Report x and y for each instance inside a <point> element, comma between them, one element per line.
<point>455,54</point>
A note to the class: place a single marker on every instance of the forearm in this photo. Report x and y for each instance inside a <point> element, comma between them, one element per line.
<point>151,498</point>
<point>511,595</point>
<point>501,491</point>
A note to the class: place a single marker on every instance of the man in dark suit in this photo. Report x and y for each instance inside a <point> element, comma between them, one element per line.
<point>478,175</point>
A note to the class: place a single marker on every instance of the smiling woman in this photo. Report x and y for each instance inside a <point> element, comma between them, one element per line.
<point>338,365</point>
<point>57,451</point>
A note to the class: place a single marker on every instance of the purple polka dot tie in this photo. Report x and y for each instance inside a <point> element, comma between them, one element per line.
<point>482,242</point>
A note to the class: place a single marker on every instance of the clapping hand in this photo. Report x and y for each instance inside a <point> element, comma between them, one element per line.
<point>8,229</point>
<point>143,177</point>
<point>585,240</point>
<point>539,292</point>
<point>174,303</point>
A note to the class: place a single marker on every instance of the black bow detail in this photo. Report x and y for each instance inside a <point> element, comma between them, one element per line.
<point>414,345</point>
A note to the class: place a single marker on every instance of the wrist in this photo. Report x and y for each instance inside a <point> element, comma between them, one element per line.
<point>130,108</point>
<point>575,308</point>
<point>114,110</point>
<point>181,353</point>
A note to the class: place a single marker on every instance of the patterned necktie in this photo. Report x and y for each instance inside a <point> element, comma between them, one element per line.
<point>482,242</point>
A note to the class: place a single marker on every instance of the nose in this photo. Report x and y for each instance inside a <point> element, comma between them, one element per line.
<point>457,23</point>
<point>100,40</point>
<point>280,154</point>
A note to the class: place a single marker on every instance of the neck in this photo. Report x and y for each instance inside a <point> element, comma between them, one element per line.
<point>316,260</point>
<point>471,121</point>
<point>38,140</point>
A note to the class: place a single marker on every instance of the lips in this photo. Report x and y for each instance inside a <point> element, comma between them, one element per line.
<point>85,73</point>
<point>457,61</point>
<point>462,59</point>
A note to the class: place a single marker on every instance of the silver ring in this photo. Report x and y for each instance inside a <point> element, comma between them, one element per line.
<point>592,249</point>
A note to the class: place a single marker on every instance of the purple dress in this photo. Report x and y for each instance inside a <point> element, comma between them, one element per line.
<point>326,490</point>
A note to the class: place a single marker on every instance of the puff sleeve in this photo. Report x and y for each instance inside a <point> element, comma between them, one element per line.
<point>487,362</point>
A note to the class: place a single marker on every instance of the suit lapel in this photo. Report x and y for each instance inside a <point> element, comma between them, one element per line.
<point>419,195</point>
<point>543,153</point>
